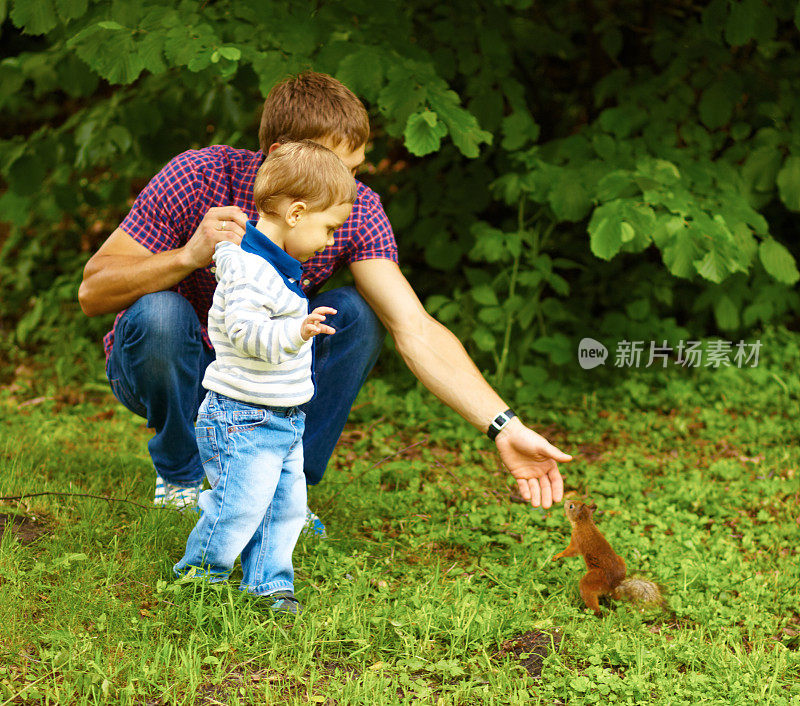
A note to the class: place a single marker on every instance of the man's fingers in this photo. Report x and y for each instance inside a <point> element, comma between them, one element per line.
<point>232,214</point>
<point>536,498</point>
<point>546,491</point>
<point>557,454</point>
<point>230,236</point>
<point>523,489</point>
<point>235,228</point>
<point>557,485</point>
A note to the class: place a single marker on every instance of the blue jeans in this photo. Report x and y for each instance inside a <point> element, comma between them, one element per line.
<point>158,361</point>
<point>256,507</point>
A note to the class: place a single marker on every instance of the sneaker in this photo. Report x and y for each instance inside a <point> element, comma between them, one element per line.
<point>284,602</point>
<point>314,525</point>
<point>175,496</point>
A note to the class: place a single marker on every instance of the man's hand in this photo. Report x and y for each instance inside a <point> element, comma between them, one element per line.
<point>312,324</point>
<point>220,223</point>
<point>532,460</point>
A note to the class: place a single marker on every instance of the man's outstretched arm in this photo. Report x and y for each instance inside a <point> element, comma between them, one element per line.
<point>439,361</point>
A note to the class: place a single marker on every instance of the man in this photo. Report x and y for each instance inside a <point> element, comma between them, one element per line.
<point>155,270</point>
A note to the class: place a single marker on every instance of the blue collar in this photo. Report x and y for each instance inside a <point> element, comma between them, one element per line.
<point>254,241</point>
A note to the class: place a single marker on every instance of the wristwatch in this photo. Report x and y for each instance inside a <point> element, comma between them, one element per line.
<point>499,423</point>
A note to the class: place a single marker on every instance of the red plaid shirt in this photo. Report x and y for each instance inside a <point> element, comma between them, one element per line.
<point>171,206</point>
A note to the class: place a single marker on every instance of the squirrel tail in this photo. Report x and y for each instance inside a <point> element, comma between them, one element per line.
<point>640,592</point>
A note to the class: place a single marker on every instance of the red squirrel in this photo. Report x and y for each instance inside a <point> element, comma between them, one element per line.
<point>606,575</point>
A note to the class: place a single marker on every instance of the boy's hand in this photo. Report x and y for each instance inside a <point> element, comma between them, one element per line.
<point>312,325</point>
<point>533,461</point>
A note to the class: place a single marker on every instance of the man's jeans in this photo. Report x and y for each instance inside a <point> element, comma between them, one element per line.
<point>158,361</point>
<point>256,507</point>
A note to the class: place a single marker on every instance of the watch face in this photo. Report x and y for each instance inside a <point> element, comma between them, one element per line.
<point>499,422</point>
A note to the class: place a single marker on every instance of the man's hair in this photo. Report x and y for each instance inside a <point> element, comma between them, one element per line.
<point>303,171</point>
<point>313,106</point>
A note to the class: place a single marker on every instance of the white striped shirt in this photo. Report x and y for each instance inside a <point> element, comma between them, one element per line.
<point>254,325</point>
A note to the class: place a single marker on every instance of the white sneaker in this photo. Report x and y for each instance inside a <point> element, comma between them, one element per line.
<point>314,525</point>
<point>175,496</point>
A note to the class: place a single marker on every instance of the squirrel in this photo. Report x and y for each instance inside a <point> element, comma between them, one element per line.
<point>606,575</point>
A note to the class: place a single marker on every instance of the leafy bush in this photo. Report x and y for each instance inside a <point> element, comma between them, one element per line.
<point>504,132</point>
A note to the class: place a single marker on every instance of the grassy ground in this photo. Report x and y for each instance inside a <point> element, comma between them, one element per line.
<point>435,585</point>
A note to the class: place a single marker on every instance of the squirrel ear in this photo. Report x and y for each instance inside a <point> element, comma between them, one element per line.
<point>593,507</point>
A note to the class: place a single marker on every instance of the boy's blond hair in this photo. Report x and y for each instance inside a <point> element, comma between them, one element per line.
<point>313,106</point>
<point>303,171</point>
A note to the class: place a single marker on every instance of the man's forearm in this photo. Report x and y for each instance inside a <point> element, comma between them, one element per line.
<point>439,361</point>
<point>112,283</point>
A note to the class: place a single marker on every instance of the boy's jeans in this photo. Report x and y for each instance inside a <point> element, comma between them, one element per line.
<point>157,365</point>
<point>256,507</point>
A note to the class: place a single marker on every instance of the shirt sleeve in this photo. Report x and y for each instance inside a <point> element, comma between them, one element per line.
<point>373,238</point>
<point>170,207</point>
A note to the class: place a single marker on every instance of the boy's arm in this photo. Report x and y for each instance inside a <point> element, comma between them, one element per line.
<point>250,303</point>
<point>439,361</point>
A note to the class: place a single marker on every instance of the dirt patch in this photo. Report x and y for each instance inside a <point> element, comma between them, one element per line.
<point>235,682</point>
<point>25,529</point>
<point>530,648</point>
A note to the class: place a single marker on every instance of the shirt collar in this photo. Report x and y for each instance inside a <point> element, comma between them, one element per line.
<point>254,241</point>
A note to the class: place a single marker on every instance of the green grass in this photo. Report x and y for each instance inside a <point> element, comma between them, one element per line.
<point>431,568</point>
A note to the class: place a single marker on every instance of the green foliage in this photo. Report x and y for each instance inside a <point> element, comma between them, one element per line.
<point>571,157</point>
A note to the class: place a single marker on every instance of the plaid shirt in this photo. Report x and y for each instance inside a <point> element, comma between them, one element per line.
<point>171,206</point>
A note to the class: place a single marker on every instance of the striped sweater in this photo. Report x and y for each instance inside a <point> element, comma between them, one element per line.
<point>254,324</point>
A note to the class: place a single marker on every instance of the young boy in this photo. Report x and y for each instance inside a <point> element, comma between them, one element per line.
<point>249,428</point>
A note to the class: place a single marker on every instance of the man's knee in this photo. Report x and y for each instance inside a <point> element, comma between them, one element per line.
<point>353,314</point>
<point>161,322</point>
<point>159,336</point>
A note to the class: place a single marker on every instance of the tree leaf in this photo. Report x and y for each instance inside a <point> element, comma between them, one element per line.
<point>442,253</point>
<point>362,71</point>
<point>399,98</point>
<point>151,53</point>
<point>713,266</point>
<point>230,53</point>
<point>519,128</point>
<point>741,21</point>
<point>716,104</point>
<point>726,313</point>
<point>270,67</point>
<point>778,261</point>
<point>569,199</point>
<point>681,252</point>
<point>34,16</point>
<point>605,231</point>
<point>423,133</point>
<point>26,174</point>
<point>557,347</point>
<point>71,9</point>
<point>483,339</point>
<point>761,167</point>
<point>462,125</point>
<point>617,184</point>
<point>15,208</point>
<point>484,294</point>
<point>788,181</point>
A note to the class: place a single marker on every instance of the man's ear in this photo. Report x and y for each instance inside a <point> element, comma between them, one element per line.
<point>295,212</point>
<point>273,146</point>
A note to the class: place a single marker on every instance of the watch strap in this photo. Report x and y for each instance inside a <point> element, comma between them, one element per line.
<point>499,423</point>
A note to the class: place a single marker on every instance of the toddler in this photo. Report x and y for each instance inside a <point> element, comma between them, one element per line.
<point>249,427</point>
